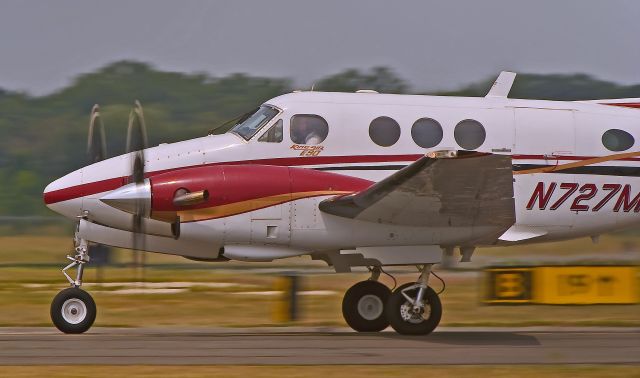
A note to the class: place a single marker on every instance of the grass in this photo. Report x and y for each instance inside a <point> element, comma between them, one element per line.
<point>201,305</point>
<point>352,371</point>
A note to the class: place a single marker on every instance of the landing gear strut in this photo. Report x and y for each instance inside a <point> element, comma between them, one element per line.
<point>414,308</point>
<point>363,304</point>
<point>73,310</point>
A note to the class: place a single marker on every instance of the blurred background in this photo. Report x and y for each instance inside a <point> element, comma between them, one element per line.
<point>196,64</point>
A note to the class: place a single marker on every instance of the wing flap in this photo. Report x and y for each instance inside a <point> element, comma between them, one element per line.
<point>472,189</point>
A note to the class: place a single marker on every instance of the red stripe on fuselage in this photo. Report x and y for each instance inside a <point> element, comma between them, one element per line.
<point>635,105</point>
<point>82,190</point>
<point>114,183</point>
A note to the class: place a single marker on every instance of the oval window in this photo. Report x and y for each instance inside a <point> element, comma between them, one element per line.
<point>308,129</point>
<point>617,140</point>
<point>469,134</point>
<point>426,132</point>
<point>384,131</point>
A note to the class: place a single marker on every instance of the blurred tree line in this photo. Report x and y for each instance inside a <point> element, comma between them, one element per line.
<point>42,138</point>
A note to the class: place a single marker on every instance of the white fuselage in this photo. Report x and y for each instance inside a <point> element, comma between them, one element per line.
<point>581,201</point>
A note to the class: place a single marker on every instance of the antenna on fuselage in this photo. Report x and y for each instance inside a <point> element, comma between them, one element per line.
<point>502,86</point>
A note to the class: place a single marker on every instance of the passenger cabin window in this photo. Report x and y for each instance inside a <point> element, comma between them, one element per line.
<point>469,134</point>
<point>426,132</point>
<point>308,129</point>
<point>384,131</point>
<point>274,134</point>
<point>617,140</point>
<point>249,124</point>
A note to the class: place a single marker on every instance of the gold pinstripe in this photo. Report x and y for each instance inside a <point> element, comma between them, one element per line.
<point>581,163</point>
<point>194,215</point>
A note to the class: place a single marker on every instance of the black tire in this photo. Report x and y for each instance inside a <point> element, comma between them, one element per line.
<point>360,297</point>
<point>73,310</point>
<point>420,325</point>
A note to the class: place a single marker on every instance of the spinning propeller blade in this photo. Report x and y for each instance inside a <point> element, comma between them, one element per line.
<point>136,144</point>
<point>96,142</point>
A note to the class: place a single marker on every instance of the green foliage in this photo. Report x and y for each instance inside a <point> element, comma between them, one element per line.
<point>381,79</point>
<point>555,87</point>
<point>42,138</point>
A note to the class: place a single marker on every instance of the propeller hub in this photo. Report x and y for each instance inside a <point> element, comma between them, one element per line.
<point>134,198</point>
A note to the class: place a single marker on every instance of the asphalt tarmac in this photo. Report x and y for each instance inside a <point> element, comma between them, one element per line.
<point>319,346</point>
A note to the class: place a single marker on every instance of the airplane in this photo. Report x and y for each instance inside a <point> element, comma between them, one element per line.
<point>360,179</point>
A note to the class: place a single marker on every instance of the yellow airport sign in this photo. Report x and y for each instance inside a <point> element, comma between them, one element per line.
<point>586,284</point>
<point>563,285</point>
<point>509,285</point>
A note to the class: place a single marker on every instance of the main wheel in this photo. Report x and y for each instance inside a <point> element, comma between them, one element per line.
<point>363,306</point>
<point>73,310</point>
<point>404,320</point>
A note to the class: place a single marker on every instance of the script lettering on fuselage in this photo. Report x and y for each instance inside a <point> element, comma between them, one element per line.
<point>580,197</point>
<point>307,150</point>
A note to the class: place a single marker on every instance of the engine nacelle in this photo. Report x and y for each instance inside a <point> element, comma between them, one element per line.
<point>210,192</point>
<point>200,193</point>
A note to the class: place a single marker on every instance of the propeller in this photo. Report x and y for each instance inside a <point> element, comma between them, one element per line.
<point>136,144</point>
<point>96,143</point>
<point>96,151</point>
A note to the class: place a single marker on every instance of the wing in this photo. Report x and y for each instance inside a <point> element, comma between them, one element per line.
<point>468,190</point>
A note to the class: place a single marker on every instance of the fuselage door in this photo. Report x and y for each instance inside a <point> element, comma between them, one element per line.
<point>544,137</point>
<point>550,132</point>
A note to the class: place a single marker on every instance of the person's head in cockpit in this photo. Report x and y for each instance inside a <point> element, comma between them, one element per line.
<point>307,132</point>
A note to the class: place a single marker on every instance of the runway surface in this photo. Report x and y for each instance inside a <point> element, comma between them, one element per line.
<point>319,346</point>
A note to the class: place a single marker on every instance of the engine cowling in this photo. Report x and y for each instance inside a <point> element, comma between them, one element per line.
<point>209,192</point>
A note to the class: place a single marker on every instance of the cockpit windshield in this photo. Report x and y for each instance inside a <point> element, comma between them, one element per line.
<point>251,122</point>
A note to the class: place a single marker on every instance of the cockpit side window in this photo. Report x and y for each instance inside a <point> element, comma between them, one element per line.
<point>308,129</point>
<point>251,123</point>
<point>274,134</point>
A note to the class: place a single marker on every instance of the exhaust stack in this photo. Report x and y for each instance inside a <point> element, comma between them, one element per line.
<point>190,198</point>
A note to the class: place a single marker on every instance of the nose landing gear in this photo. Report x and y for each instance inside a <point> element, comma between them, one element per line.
<point>73,310</point>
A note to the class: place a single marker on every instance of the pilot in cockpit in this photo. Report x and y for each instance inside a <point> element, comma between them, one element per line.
<point>306,131</point>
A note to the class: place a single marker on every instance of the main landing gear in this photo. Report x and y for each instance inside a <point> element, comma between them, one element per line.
<point>73,310</point>
<point>412,308</point>
<point>363,305</point>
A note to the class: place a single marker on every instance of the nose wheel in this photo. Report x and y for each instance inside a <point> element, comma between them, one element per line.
<point>73,310</point>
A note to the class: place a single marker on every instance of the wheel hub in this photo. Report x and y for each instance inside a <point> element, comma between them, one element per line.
<point>410,314</point>
<point>74,311</point>
<point>370,307</point>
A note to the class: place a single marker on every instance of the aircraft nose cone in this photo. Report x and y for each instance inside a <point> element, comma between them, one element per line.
<point>134,198</point>
<point>64,195</point>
